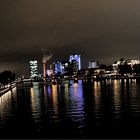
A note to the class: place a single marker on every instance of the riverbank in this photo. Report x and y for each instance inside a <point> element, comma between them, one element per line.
<point>6,90</point>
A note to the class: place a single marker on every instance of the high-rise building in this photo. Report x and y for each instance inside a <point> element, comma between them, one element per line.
<point>73,67</point>
<point>93,64</point>
<point>65,67</point>
<point>57,67</point>
<point>77,58</point>
<point>34,69</point>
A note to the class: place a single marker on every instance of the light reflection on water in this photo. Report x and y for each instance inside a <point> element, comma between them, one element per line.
<point>87,109</point>
<point>97,99</point>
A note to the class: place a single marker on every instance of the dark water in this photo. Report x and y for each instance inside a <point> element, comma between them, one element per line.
<point>90,110</point>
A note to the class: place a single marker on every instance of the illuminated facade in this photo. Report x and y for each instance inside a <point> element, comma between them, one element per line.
<point>65,67</point>
<point>77,58</point>
<point>131,62</point>
<point>73,67</point>
<point>49,72</point>
<point>58,67</point>
<point>34,69</point>
<point>93,64</point>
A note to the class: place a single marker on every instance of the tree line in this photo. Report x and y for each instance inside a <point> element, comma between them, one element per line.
<point>7,77</point>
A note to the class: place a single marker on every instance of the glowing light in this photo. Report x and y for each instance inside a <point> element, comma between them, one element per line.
<point>116,96</point>
<point>77,58</point>
<point>44,71</point>
<point>97,99</point>
<point>6,100</point>
<point>75,84</point>
<point>97,87</point>
<point>35,102</point>
<point>32,98</point>
<point>54,97</point>
<point>34,68</point>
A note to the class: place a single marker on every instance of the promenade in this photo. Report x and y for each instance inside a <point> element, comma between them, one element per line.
<point>3,91</point>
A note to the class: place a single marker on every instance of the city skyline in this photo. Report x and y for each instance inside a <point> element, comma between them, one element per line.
<point>99,30</point>
<point>71,66</point>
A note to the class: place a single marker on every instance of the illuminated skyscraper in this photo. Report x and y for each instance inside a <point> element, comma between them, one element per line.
<point>73,67</point>
<point>57,67</point>
<point>77,58</point>
<point>34,69</point>
<point>65,66</point>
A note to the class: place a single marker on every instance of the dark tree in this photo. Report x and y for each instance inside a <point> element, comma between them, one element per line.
<point>103,66</point>
<point>6,77</point>
<point>109,68</point>
<point>136,69</point>
<point>125,69</point>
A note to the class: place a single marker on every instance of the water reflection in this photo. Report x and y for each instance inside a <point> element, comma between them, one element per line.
<point>76,98</point>
<point>117,99</point>
<point>36,106</point>
<point>33,102</point>
<point>55,99</point>
<point>7,105</point>
<point>97,100</point>
<point>87,109</point>
<point>45,93</point>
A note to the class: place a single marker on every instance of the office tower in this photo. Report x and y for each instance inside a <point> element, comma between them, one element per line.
<point>57,67</point>
<point>34,69</point>
<point>73,67</point>
<point>65,67</point>
<point>77,58</point>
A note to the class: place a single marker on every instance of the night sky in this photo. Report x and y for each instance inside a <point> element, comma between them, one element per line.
<point>102,30</point>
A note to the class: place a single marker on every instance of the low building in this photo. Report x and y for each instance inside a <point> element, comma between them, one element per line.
<point>93,64</point>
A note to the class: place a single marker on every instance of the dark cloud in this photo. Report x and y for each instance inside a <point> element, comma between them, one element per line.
<point>97,29</point>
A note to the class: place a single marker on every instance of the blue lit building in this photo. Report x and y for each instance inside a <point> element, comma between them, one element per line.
<point>57,67</point>
<point>77,58</point>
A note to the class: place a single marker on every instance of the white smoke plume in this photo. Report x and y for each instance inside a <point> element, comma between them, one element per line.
<point>46,58</point>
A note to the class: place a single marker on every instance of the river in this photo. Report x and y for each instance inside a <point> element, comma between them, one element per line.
<point>99,109</point>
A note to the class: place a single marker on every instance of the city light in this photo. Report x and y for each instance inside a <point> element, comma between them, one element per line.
<point>34,68</point>
<point>77,58</point>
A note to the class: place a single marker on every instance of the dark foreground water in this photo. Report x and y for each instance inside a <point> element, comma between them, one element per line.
<point>91,110</point>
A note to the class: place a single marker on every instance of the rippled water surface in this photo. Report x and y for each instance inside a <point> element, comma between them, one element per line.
<point>85,110</point>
